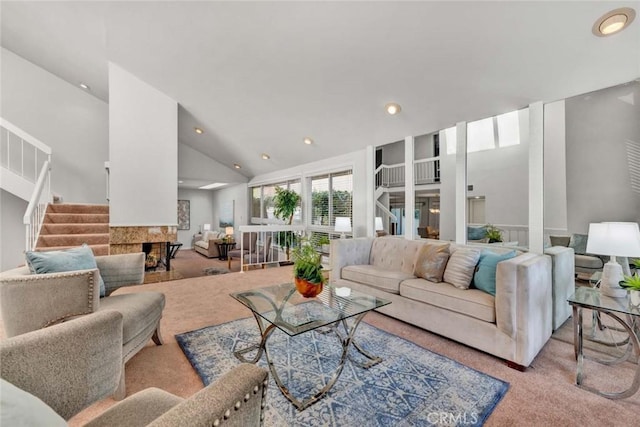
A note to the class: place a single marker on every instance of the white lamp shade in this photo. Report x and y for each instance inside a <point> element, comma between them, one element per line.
<point>206,227</point>
<point>379,225</point>
<point>614,239</point>
<point>228,231</point>
<point>343,224</point>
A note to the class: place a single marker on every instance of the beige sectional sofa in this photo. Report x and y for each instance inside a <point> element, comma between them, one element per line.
<point>206,243</point>
<point>514,324</point>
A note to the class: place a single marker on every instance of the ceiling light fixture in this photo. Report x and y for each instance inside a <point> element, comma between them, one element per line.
<point>180,182</point>
<point>392,108</point>
<point>308,140</point>
<point>213,185</point>
<point>85,86</point>
<point>237,166</point>
<point>265,156</point>
<point>199,131</point>
<point>613,22</point>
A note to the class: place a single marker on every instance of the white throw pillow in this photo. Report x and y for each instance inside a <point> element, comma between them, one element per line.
<point>19,408</point>
<point>461,266</point>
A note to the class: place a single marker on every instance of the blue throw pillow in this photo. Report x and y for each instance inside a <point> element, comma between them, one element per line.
<point>579,243</point>
<point>61,261</point>
<point>476,233</point>
<point>485,277</point>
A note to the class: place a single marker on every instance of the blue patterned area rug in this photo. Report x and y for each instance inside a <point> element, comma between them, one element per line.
<point>412,386</point>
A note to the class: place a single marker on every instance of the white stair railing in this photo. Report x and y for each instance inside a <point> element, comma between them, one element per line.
<point>427,171</point>
<point>30,159</point>
<point>37,207</point>
<point>266,250</point>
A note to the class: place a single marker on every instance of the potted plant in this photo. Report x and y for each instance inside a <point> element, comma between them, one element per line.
<point>493,234</point>
<point>285,203</point>
<point>324,243</point>
<point>307,270</point>
<point>632,284</point>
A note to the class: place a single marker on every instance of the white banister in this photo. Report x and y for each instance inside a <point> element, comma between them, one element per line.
<point>37,206</point>
<point>265,251</point>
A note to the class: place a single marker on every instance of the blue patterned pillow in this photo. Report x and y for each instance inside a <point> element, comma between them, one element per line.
<point>485,277</point>
<point>579,243</point>
<point>61,261</point>
<point>476,233</point>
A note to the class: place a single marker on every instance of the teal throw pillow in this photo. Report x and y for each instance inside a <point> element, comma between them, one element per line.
<point>476,233</point>
<point>74,259</point>
<point>485,277</point>
<point>579,243</point>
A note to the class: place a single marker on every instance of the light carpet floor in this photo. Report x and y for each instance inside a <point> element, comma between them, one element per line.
<point>543,395</point>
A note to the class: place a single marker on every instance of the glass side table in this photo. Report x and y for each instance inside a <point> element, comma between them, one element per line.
<point>621,311</point>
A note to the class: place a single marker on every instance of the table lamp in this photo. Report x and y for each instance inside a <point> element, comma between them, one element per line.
<point>229,233</point>
<point>206,227</point>
<point>614,239</point>
<point>343,225</point>
<point>379,226</point>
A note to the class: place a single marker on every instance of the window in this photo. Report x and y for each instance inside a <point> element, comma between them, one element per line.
<point>262,202</point>
<point>331,197</point>
<point>482,135</point>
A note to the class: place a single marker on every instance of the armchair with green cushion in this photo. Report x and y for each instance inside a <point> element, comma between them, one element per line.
<point>33,301</point>
<point>48,376</point>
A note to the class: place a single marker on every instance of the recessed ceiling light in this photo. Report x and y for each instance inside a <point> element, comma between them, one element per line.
<point>265,156</point>
<point>613,22</point>
<point>308,141</point>
<point>392,108</point>
<point>85,86</point>
<point>180,182</point>
<point>199,131</point>
<point>237,166</point>
<point>213,185</point>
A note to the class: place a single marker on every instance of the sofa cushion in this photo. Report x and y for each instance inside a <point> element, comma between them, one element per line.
<point>476,233</point>
<point>395,254</point>
<point>73,259</point>
<point>204,244</point>
<point>579,243</point>
<point>588,261</point>
<point>431,262</point>
<point>461,266</point>
<point>138,311</point>
<point>19,408</point>
<point>471,302</point>
<point>380,278</point>
<point>485,277</point>
<point>560,240</point>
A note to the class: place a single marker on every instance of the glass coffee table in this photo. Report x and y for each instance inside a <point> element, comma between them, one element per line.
<point>623,313</point>
<point>336,310</point>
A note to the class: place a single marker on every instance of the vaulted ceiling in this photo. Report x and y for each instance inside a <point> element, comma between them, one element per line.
<point>258,77</point>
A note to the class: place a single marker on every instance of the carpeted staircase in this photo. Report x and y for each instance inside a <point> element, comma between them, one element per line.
<point>68,225</point>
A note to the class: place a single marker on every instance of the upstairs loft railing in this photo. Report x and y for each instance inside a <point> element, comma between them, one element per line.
<point>426,171</point>
<point>28,158</point>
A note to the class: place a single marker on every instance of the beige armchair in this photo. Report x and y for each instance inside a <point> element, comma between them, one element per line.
<point>32,301</point>
<point>74,364</point>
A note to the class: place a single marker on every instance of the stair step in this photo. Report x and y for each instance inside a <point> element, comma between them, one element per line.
<point>72,239</point>
<point>75,218</point>
<point>77,228</point>
<point>97,249</point>
<point>80,208</point>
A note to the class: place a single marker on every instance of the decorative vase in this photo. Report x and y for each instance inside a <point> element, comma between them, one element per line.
<point>634,299</point>
<point>306,288</point>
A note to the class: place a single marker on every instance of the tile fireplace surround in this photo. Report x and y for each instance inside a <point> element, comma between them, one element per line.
<point>129,239</point>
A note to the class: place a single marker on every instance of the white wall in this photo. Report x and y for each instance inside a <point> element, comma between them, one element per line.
<point>143,152</point>
<point>74,123</point>
<point>355,160</point>
<point>555,168</point>
<point>194,165</point>
<point>501,175</point>
<point>598,126</point>
<point>12,232</point>
<point>239,195</point>
<point>201,205</point>
<point>447,191</point>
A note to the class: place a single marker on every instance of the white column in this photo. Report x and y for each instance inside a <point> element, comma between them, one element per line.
<point>536,177</point>
<point>409,191</point>
<point>371,189</point>
<point>461,182</point>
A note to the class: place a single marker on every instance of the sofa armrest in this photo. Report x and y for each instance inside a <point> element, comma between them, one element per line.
<point>240,393</point>
<point>121,270</point>
<point>33,301</point>
<point>348,252</point>
<point>563,282</point>
<point>523,303</point>
<point>68,366</point>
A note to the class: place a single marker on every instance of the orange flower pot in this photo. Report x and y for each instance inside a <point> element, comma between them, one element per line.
<point>306,288</point>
